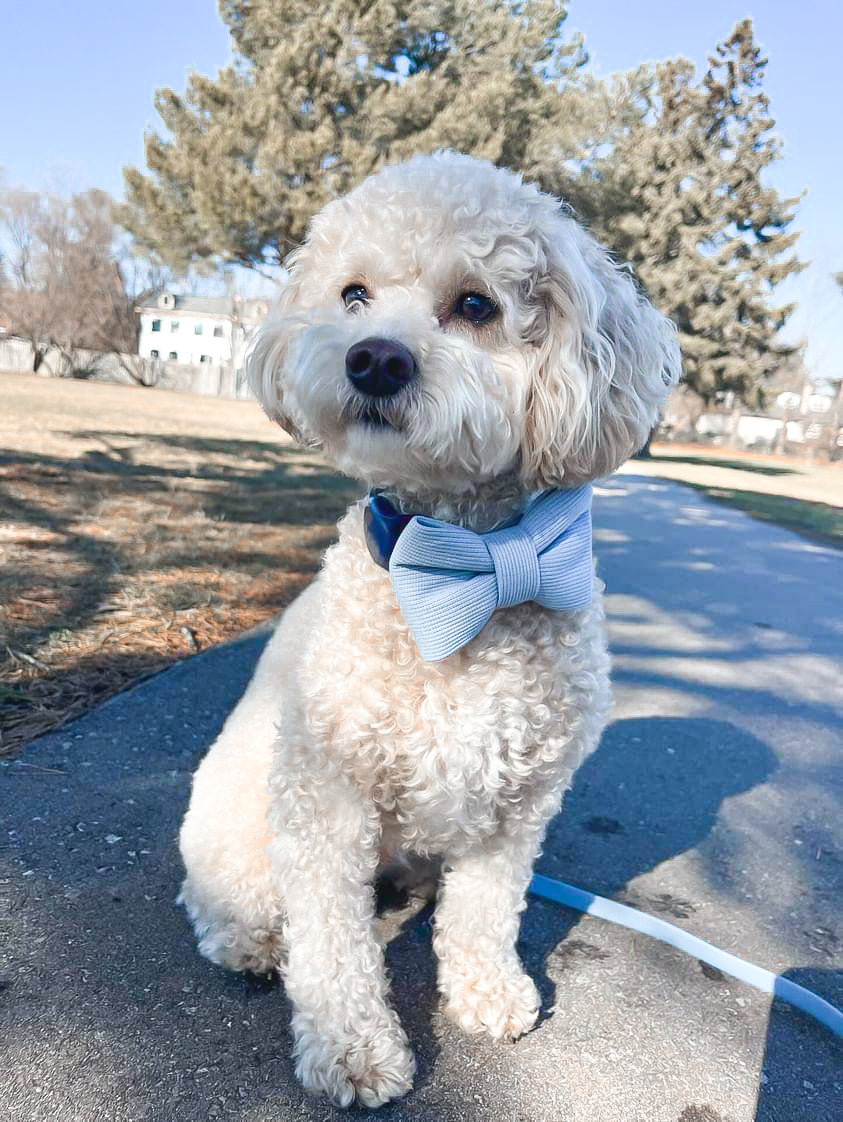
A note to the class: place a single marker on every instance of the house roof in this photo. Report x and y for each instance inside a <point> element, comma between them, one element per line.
<point>222,307</point>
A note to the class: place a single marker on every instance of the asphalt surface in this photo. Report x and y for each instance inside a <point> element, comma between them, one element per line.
<point>713,800</point>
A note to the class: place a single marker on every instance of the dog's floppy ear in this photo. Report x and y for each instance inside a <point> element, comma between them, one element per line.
<point>606,359</point>
<point>268,351</point>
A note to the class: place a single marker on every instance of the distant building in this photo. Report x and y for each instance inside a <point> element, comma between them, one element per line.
<point>807,420</point>
<point>195,330</point>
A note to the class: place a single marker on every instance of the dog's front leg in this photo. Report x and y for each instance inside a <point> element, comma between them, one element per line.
<point>348,1041</point>
<point>481,979</point>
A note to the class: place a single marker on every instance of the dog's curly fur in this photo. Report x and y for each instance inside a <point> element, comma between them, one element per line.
<point>347,748</point>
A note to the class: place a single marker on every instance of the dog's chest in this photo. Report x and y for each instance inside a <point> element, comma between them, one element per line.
<point>448,754</point>
<point>447,749</point>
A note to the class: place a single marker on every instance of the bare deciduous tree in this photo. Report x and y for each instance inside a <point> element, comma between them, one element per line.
<point>70,283</point>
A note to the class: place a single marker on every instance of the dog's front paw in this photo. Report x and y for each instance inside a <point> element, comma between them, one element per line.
<point>503,1002</point>
<point>374,1066</point>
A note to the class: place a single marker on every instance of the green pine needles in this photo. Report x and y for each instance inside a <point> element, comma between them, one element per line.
<point>668,169</point>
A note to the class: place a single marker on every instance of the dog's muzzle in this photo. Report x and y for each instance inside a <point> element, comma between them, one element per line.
<point>380,367</point>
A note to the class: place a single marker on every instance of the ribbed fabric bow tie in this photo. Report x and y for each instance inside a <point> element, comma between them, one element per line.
<point>449,580</point>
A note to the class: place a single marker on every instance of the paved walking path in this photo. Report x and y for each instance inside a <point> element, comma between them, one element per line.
<point>714,800</point>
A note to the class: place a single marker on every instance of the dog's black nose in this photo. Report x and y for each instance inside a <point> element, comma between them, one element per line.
<point>379,367</point>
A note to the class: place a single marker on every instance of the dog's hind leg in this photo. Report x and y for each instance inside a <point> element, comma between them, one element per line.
<point>229,892</point>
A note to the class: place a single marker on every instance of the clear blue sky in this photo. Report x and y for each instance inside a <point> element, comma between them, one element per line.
<point>77,82</point>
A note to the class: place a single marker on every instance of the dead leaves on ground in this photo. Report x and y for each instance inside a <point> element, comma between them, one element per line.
<point>113,566</point>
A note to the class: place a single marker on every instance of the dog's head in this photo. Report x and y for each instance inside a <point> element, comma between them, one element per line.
<point>445,324</point>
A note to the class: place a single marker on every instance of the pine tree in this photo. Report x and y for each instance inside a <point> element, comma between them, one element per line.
<point>321,94</point>
<point>668,170</point>
<point>684,199</point>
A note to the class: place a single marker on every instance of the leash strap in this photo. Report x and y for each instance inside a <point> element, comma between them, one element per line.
<point>764,980</point>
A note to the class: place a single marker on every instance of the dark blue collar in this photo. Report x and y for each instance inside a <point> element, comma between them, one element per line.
<point>383,526</point>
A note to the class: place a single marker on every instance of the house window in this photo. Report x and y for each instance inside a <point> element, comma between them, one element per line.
<point>156,325</point>
<point>218,331</point>
<point>174,325</point>
<point>204,358</point>
<point>173,356</point>
<point>197,328</point>
<point>153,354</point>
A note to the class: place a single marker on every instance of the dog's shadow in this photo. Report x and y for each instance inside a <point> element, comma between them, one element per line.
<point>651,791</point>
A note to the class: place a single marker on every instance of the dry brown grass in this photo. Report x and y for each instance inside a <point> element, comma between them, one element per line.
<point>136,527</point>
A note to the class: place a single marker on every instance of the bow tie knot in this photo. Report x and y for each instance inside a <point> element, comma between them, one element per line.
<point>516,562</point>
<point>448,580</point>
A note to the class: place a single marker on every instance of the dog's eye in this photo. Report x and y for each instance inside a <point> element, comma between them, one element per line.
<point>475,307</point>
<point>353,295</point>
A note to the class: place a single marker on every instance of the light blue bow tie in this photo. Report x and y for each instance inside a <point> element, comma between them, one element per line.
<point>449,580</point>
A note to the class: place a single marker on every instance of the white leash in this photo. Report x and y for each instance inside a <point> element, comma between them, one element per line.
<point>765,980</point>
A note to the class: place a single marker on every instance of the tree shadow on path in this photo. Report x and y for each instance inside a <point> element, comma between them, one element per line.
<point>802,1074</point>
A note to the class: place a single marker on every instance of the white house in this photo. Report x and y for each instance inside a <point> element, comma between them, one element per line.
<point>193,330</point>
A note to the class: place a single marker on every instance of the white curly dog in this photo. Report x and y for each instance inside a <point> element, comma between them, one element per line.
<point>451,337</point>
